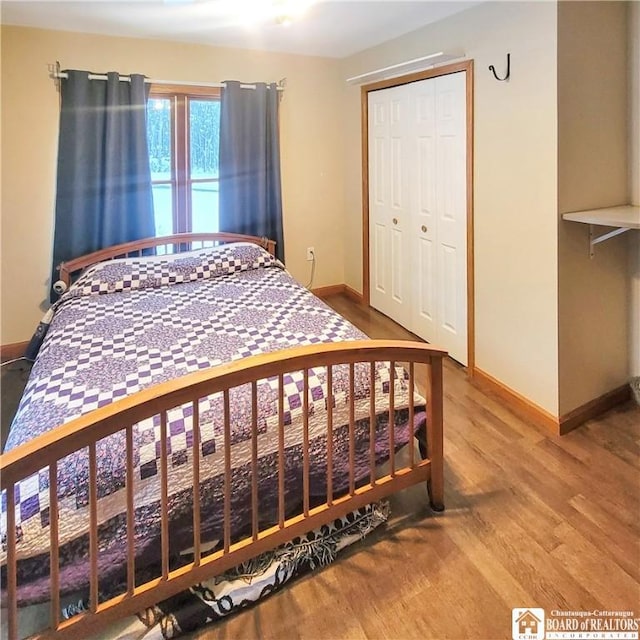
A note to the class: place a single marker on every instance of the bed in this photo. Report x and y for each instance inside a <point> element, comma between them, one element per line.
<point>299,420</point>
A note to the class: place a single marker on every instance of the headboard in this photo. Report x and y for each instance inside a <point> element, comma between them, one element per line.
<point>177,243</point>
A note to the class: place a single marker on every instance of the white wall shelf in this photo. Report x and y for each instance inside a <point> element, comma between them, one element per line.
<point>416,64</point>
<point>624,218</point>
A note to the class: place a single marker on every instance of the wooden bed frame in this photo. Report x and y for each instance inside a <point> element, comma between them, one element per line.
<point>423,363</point>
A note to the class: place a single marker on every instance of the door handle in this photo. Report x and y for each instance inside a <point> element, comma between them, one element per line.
<point>424,229</point>
<point>395,221</point>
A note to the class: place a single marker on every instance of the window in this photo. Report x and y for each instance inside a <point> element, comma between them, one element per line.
<point>183,127</point>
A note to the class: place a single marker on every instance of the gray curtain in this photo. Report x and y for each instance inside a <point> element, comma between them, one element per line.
<point>104,192</point>
<point>250,197</point>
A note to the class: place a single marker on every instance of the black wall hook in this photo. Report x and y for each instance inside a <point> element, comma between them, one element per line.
<point>495,75</point>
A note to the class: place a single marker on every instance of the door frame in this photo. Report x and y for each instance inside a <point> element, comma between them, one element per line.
<point>466,66</point>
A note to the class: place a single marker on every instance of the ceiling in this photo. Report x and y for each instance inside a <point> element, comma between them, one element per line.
<point>331,28</point>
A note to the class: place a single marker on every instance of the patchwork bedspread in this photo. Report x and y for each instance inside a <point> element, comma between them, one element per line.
<point>128,324</point>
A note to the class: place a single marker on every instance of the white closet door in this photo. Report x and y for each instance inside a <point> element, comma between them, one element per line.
<point>423,140</point>
<point>451,207</point>
<point>389,203</point>
<point>418,208</point>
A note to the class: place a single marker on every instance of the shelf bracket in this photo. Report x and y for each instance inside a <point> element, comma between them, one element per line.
<point>594,240</point>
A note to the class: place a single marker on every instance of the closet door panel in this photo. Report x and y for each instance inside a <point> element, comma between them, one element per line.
<point>449,300</point>
<point>379,262</point>
<point>424,319</point>
<point>422,190</point>
<point>379,198</point>
<point>389,169</point>
<point>451,205</point>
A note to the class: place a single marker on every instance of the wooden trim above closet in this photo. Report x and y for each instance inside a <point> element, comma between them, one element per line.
<point>467,66</point>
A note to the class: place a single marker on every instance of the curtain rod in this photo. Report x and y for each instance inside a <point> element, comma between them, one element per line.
<point>395,70</point>
<point>57,75</point>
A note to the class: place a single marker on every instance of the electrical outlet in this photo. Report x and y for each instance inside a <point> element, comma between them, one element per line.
<point>310,253</point>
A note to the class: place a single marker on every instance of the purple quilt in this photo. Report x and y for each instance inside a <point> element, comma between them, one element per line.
<point>128,324</point>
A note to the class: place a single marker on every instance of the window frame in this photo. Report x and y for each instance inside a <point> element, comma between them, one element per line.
<point>181,181</point>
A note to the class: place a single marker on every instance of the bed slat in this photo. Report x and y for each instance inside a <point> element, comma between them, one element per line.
<point>329,435</point>
<point>227,472</point>
<point>372,424</point>
<point>93,528</point>
<point>392,418</point>
<point>53,545</point>
<point>305,443</point>
<point>131,548</point>
<point>12,577</point>
<point>433,428</point>
<point>281,450</point>
<point>411,416</point>
<point>254,460</point>
<point>164,496</point>
<point>196,481</point>
<point>352,420</point>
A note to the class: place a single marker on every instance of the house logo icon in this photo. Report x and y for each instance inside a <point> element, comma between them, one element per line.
<point>527,624</point>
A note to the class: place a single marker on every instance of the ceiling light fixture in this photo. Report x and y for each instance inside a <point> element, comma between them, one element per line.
<point>287,11</point>
<point>257,13</point>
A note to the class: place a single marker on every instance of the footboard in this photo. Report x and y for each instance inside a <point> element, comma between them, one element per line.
<point>344,442</point>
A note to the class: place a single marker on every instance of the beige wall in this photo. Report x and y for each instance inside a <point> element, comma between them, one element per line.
<point>515,174</point>
<point>559,120</point>
<point>592,173</point>
<point>312,171</point>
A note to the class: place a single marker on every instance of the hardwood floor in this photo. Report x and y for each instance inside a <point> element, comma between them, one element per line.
<point>532,520</point>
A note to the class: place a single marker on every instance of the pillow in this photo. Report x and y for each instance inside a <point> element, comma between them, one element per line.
<point>122,274</point>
